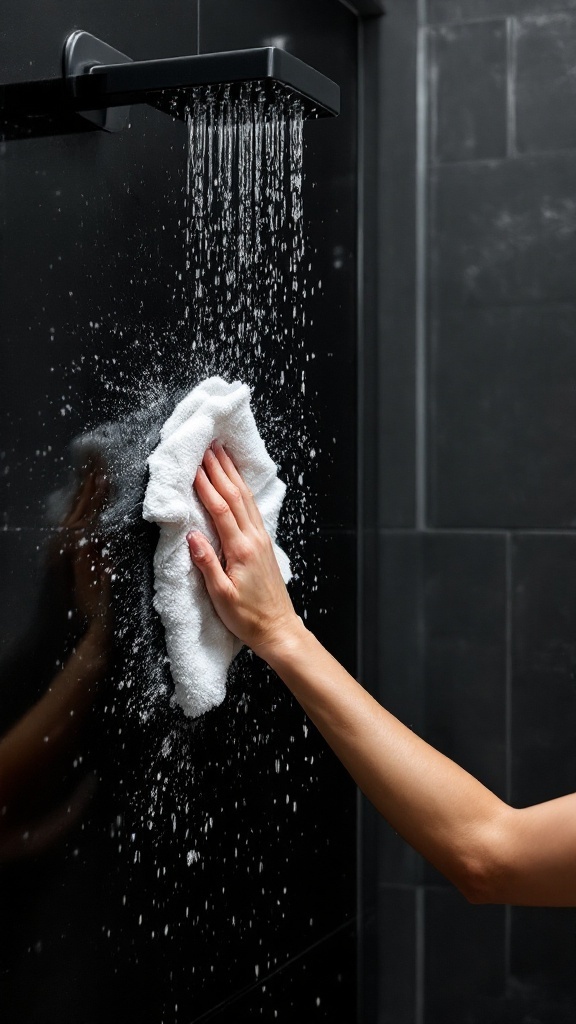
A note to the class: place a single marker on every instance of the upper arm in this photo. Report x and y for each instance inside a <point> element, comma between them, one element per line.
<point>535,862</point>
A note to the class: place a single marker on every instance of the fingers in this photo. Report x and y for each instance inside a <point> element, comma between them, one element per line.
<point>229,469</point>
<point>206,560</point>
<point>222,516</point>
<point>227,488</point>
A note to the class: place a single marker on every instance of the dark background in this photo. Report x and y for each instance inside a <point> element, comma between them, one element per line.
<point>114,921</point>
<point>473,522</point>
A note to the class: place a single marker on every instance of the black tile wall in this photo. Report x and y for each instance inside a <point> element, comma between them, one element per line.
<point>468,71</point>
<point>324,35</point>
<point>471,10</point>
<point>545,87</point>
<point>501,400</point>
<point>502,232</point>
<point>119,915</point>
<point>544,663</point>
<point>397,955</point>
<point>465,958</point>
<point>395,289</point>
<point>475,602</point>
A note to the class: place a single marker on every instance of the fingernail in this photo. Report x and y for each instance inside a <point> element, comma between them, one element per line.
<point>195,543</point>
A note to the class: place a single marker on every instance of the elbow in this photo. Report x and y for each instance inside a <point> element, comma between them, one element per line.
<point>485,872</point>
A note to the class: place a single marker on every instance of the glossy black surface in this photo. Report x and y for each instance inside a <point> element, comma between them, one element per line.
<point>155,869</point>
<point>464,10</point>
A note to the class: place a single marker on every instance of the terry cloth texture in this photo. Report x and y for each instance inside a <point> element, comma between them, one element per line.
<point>199,647</point>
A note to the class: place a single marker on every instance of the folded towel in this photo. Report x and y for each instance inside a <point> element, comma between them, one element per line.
<point>199,646</point>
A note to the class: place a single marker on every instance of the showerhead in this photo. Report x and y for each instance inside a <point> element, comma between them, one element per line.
<point>99,84</point>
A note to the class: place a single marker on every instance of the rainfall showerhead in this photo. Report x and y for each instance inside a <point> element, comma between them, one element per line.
<point>99,84</point>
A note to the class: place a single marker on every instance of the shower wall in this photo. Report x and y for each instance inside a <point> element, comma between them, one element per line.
<point>153,869</point>
<point>475,621</point>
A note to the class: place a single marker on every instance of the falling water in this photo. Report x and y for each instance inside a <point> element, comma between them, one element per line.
<point>244,235</point>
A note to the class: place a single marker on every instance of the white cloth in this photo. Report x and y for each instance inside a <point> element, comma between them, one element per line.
<point>199,646</point>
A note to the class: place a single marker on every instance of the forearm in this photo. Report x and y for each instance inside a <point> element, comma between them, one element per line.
<point>442,811</point>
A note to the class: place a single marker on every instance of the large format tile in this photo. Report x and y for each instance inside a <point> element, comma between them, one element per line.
<point>545,86</point>
<point>463,10</point>
<point>465,958</point>
<point>468,87</point>
<point>543,666</point>
<point>443,658</point>
<point>503,232</point>
<point>542,952</point>
<point>397,949</point>
<point>394,294</point>
<point>502,400</point>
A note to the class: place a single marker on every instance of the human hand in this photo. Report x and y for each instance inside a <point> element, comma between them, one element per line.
<point>246,587</point>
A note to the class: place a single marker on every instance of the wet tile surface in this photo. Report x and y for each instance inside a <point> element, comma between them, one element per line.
<point>197,858</point>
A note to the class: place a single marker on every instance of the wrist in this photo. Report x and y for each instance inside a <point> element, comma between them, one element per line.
<point>283,647</point>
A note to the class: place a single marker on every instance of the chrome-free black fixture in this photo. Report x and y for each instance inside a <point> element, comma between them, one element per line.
<point>99,84</point>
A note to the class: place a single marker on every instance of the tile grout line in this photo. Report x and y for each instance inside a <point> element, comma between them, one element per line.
<point>508,729</point>
<point>421,268</point>
<point>511,68</point>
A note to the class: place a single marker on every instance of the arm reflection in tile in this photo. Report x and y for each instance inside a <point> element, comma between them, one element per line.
<point>38,803</point>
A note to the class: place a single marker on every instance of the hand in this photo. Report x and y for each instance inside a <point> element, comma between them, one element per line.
<point>246,588</point>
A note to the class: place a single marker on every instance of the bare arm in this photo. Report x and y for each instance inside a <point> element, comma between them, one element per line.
<point>492,852</point>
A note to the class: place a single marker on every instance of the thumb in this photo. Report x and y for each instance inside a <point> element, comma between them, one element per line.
<point>206,560</point>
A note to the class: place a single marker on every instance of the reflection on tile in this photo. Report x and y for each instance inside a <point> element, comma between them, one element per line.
<point>469,95</point>
<point>318,985</point>
<point>492,223</point>
<point>462,10</point>
<point>546,88</point>
<point>544,662</point>
<point>501,398</point>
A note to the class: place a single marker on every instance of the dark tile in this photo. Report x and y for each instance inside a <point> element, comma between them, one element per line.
<point>324,35</point>
<point>443,658</point>
<point>464,586</point>
<point>502,402</point>
<point>545,86</point>
<point>464,958</point>
<point>326,594</point>
<point>397,955</point>
<point>401,673</point>
<point>468,76</point>
<point>543,667</point>
<point>396,421</point>
<point>503,232</point>
<point>32,48</point>
<point>542,952</point>
<point>317,985</point>
<point>462,10</point>
<point>392,429</point>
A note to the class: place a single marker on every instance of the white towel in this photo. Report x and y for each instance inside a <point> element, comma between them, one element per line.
<point>199,646</point>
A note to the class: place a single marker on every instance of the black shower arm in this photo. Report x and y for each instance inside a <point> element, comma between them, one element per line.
<point>99,84</point>
<point>120,84</point>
